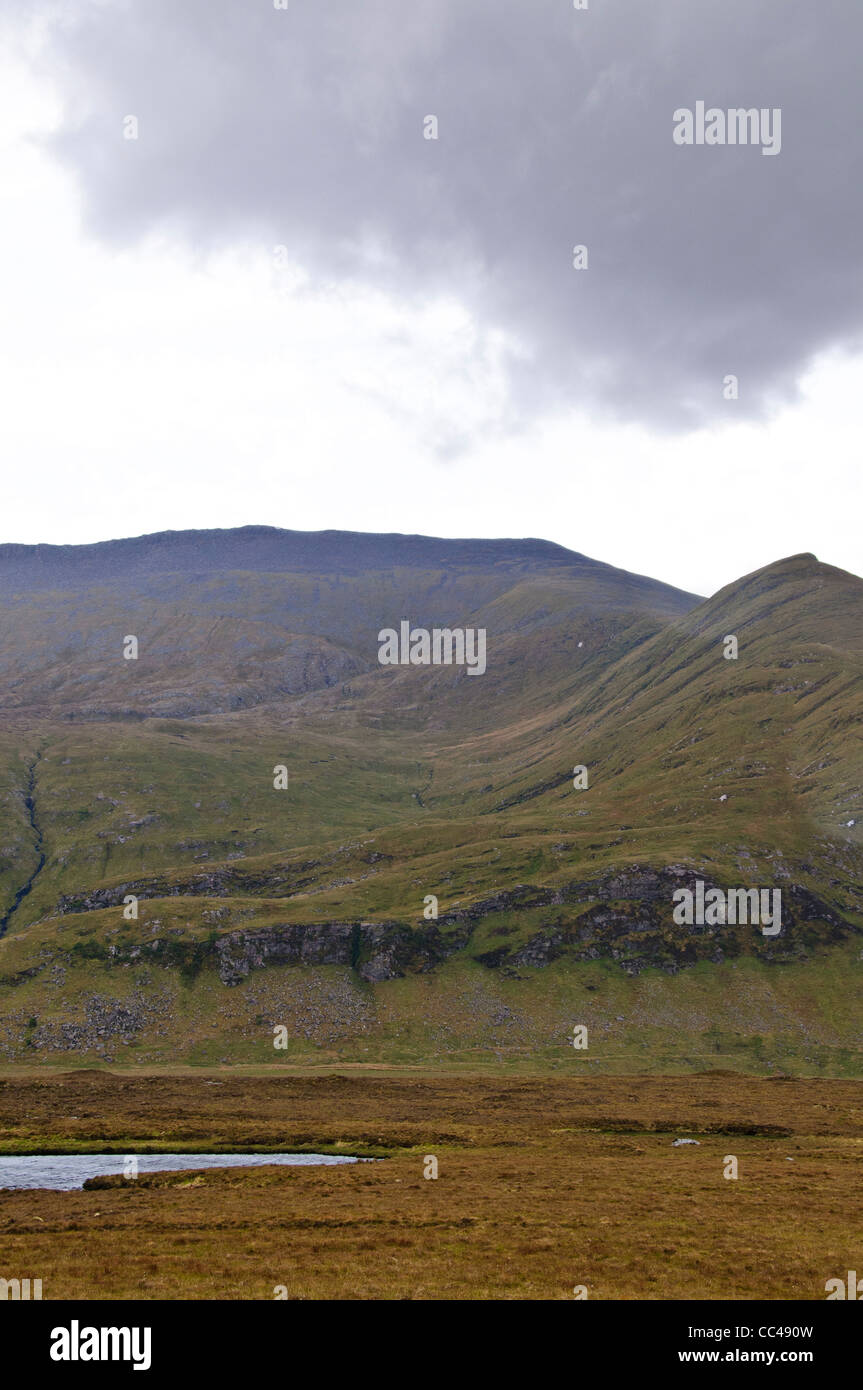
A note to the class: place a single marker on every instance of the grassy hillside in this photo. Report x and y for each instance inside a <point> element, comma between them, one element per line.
<point>155,777</point>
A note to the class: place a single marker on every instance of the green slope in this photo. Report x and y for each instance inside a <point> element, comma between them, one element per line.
<point>410,781</point>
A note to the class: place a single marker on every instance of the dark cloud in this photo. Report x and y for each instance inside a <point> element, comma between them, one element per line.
<point>305,127</point>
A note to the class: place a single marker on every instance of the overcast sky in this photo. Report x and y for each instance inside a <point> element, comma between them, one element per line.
<point>281,303</point>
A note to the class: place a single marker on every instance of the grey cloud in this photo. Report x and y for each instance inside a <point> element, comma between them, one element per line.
<point>305,128</point>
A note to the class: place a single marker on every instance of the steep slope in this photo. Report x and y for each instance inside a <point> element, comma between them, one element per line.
<point>258,668</point>
<point>409,782</point>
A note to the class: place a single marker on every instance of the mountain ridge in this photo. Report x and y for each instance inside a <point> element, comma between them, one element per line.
<point>268,549</point>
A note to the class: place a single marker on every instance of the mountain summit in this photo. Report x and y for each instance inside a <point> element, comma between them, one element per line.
<point>270,550</point>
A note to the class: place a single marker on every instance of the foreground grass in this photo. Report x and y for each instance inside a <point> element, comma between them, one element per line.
<point>544,1184</point>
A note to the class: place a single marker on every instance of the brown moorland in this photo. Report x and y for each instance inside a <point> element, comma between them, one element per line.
<point>544,1184</point>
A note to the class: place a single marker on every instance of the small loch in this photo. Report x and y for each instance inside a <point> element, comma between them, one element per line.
<point>65,1172</point>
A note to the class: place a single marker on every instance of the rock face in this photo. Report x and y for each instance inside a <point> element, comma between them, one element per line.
<point>630,921</point>
<point>377,951</point>
<point>239,952</point>
<point>625,916</point>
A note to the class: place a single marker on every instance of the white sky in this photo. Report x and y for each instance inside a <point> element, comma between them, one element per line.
<point>146,390</point>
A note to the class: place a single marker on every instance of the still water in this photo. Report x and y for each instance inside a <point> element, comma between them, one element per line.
<point>63,1172</point>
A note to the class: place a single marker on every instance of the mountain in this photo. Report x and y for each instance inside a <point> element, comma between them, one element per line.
<point>270,550</point>
<point>258,649</point>
<point>231,619</point>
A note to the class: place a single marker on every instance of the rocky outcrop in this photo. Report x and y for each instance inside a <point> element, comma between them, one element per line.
<point>630,921</point>
<point>218,882</point>
<point>377,951</point>
<point>626,916</point>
